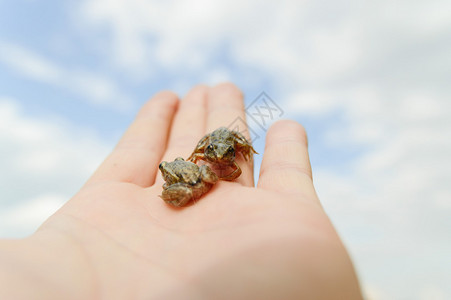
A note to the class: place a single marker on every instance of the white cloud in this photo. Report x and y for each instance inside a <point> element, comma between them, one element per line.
<point>44,162</point>
<point>432,292</point>
<point>396,192</point>
<point>182,35</point>
<point>25,217</point>
<point>313,40</point>
<point>95,88</point>
<point>29,64</point>
<point>99,89</point>
<point>311,102</point>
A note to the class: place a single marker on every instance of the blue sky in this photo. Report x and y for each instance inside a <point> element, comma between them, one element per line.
<point>369,81</point>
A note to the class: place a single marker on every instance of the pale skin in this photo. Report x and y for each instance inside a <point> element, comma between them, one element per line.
<point>116,239</point>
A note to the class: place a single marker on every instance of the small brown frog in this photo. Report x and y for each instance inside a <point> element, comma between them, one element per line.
<point>185,181</point>
<point>220,148</point>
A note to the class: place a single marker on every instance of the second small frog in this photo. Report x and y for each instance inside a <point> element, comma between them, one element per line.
<point>185,181</point>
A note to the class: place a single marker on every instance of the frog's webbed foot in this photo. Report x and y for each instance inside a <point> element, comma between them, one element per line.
<point>208,175</point>
<point>235,173</point>
<point>194,157</point>
<point>247,151</point>
<point>199,150</point>
<point>178,194</point>
<point>243,146</point>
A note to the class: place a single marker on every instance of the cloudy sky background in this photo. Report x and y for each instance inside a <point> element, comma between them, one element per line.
<point>368,80</point>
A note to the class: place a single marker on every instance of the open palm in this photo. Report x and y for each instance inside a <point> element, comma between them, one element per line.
<point>273,241</point>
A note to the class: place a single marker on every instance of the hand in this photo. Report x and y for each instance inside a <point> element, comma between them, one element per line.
<point>116,239</point>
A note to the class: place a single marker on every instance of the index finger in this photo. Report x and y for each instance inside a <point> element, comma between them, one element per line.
<point>137,155</point>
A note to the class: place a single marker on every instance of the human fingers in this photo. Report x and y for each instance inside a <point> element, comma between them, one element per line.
<point>226,108</point>
<point>136,157</point>
<point>286,166</point>
<point>188,126</point>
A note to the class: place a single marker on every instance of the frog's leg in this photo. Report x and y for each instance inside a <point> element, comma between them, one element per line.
<point>199,150</point>
<point>177,194</point>
<point>235,173</point>
<point>196,156</point>
<point>208,175</point>
<point>243,146</point>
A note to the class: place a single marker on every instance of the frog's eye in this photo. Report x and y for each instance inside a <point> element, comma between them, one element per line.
<point>230,150</point>
<point>161,166</point>
<point>210,147</point>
